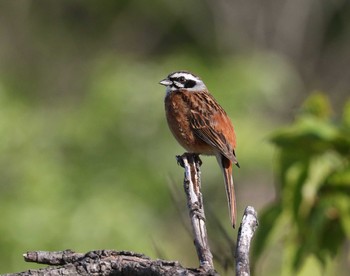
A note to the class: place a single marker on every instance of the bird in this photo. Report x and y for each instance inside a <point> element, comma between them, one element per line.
<point>201,125</point>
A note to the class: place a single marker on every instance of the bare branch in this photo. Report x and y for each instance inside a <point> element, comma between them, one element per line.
<point>245,234</point>
<point>110,262</point>
<point>192,185</point>
<point>103,262</point>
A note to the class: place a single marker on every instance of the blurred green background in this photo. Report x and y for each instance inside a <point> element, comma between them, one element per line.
<point>86,158</point>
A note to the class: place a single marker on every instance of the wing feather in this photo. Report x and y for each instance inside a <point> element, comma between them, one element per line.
<point>210,127</point>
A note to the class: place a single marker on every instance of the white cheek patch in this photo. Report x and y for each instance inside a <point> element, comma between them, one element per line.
<point>179,84</point>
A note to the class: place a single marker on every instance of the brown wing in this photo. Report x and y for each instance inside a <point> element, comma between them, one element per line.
<point>211,123</point>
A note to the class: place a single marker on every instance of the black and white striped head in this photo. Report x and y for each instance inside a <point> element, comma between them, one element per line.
<point>183,79</point>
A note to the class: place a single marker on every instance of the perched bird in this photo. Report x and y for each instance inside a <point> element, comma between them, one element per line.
<point>201,125</point>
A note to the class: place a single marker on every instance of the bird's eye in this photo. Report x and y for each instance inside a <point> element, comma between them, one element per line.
<point>181,79</point>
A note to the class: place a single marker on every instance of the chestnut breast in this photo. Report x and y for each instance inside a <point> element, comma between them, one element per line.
<point>178,106</point>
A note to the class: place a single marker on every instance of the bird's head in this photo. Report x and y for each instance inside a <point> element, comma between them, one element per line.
<point>183,80</point>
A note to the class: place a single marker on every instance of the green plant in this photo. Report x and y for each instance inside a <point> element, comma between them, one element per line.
<point>312,209</point>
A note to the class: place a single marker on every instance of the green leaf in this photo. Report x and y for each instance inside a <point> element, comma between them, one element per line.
<point>331,234</point>
<point>293,177</point>
<point>306,136</point>
<point>317,105</point>
<point>314,181</point>
<point>314,233</point>
<point>341,178</point>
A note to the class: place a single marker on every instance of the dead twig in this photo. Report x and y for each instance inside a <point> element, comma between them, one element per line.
<point>245,234</point>
<point>192,186</point>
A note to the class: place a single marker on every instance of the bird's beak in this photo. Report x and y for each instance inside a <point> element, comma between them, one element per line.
<point>165,82</point>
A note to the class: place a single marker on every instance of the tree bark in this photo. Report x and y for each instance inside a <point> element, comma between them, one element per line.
<point>103,262</point>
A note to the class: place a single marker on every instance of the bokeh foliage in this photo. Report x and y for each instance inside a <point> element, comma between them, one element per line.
<point>85,154</point>
<point>312,209</point>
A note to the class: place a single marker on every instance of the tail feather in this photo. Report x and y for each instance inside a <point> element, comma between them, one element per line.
<point>226,167</point>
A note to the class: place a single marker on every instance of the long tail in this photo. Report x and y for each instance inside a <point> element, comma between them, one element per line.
<point>226,167</point>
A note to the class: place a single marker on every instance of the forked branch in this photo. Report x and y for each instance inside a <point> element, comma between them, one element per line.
<point>108,262</point>
<point>192,186</point>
